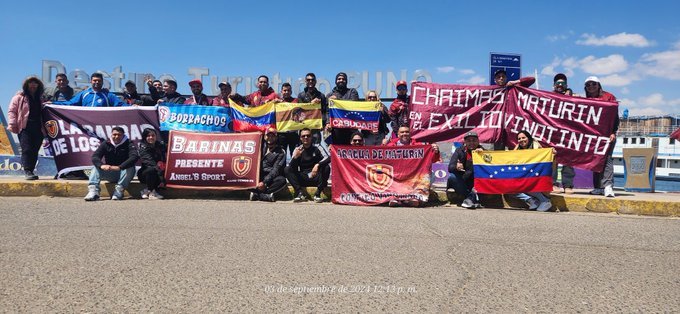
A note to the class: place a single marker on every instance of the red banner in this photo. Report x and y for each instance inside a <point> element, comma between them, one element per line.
<point>213,161</point>
<point>578,128</point>
<point>374,175</point>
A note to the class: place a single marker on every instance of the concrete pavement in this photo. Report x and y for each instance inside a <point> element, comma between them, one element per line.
<point>66,255</point>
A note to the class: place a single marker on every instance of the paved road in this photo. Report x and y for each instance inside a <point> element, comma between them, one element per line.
<point>62,254</point>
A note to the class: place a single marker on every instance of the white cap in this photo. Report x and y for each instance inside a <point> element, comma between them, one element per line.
<point>592,79</point>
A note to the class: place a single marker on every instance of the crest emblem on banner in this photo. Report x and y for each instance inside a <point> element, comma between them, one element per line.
<point>379,176</point>
<point>163,113</point>
<point>52,128</point>
<point>241,165</point>
<point>487,158</point>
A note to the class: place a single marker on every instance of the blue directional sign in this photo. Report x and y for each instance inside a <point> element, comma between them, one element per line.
<point>511,63</point>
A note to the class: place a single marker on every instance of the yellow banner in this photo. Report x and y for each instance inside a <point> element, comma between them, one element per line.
<point>297,116</point>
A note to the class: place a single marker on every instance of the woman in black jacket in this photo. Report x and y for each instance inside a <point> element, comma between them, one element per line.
<point>152,153</point>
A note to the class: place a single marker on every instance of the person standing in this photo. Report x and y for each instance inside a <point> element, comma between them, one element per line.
<point>560,87</point>
<point>399,108</point>
<point>603,182</point>
<point>25,119</point>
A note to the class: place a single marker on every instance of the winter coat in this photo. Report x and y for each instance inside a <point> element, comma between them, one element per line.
<point>123,155</point>
<point>17,114</point>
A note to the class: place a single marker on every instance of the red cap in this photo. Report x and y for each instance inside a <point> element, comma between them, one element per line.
<point>196,82</point>
<point>402,83</point>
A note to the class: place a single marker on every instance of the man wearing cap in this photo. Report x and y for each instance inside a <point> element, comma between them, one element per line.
<point>462,178</point>
<point>271,169</point>
<point>197,97</point>
<point>399,108</point>
<point>340,91</point>
<point>261,96</point>
<point>560,87</point>
<point>308,167</point>
<point>131,97</point>
<point>603,182</point>
<point>501,79</point>
<point>222,99</point>
<point>170,93</point>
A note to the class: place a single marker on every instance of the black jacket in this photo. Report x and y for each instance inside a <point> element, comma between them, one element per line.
<point>310,157</point>
<point>151,154</point>
<point>124,155</point>
<point>174,98</point>
<point>460,155</point>
<point>52,94</point>
<point>307,96</point>
<point>272,164</point>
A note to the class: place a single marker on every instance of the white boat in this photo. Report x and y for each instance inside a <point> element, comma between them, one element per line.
<point>650,131</point>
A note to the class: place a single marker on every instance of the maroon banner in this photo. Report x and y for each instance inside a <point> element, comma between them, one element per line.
<point>578,128</point>
<point>374,175</point>
<point>444,112</point>
<point>213,161</point>
<point>75,132</point>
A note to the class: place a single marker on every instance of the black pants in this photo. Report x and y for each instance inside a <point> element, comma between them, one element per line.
<point>299,179</point>
<point>277,184</point>
<point>289,140</point>
<point>30,140</point>
<point>151,176</point>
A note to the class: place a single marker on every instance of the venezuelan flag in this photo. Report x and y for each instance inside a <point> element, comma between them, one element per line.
<point>297,116</point>
<point>252,118</point>
<point>515,171</point>
<point>345,114</point>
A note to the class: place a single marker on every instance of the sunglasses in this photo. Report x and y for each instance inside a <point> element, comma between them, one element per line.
<point>591,84</point>
<point>401,87</point>
<point>560,83</point>
<point>357,141</point>
<point>305,136</point>
<point>372,98</point>
<point>310,80</point>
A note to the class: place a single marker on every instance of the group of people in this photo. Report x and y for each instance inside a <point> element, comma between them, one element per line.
<point>309,163</point>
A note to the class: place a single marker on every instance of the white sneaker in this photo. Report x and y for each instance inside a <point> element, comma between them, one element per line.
<point>468,203</point>
<point>145,193</point>
<point>118,193</point>
<point>597,192</point>
<point>155,196</point>
<point>533,203</point>
<point>544,206</point>
<point>609,191</point>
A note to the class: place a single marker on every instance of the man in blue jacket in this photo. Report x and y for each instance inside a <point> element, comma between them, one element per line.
<point>94,96</point>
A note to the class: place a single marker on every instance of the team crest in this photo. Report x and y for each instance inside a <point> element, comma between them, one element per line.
<point>241,165</point>
<point>487,158</point>
<point>379,176</point>
<point>52,128</point>
<point>163,113</point>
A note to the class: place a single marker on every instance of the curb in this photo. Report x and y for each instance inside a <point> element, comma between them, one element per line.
<point>561,202</point>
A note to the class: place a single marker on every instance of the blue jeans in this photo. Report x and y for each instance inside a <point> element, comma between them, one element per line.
<point>122,177</point>
<point>537,195</point>
<point>462,187</point>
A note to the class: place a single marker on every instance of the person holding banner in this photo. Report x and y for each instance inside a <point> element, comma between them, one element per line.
<point>376,138</point>
<point>170,94</point>
<point>25,119</point>
<point>560,87</point>
<point>312,95</point>
<point>95,96</point>
<point>340,91</point>
<point>308,167</point>
<point>271,170</point>
<point>501,79</point>
<point>288,140</point>
<point>399,108</point>
<point>152,153</point>
<point>462,178</point>
<point>603,182</point>
<point>114,160</point>
<point>197,97</point>
<point>535,200</point>
<point>222,99</point>
<point>261,96</point>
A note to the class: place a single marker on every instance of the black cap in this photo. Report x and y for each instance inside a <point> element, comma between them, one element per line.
<point>559,76</point>
<point>499,72</point>
<point>128,83</point>
<point>471,133</point>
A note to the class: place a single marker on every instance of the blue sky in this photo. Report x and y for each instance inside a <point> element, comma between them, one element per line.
<point>633,46</point>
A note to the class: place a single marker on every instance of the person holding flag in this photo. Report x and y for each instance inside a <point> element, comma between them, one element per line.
<point>535,200</point>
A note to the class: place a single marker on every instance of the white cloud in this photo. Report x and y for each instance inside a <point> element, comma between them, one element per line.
<point>665,64</point>
<point>616,80</point>
<point>625,91</point>
<point>554,38</point>
<point>603,66</point>
<point>548,70</point>
<point>445,69</point>
<point>467,71</point>
<point>618,40</point>
<point>652,100</point>
<point>475,80</point>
